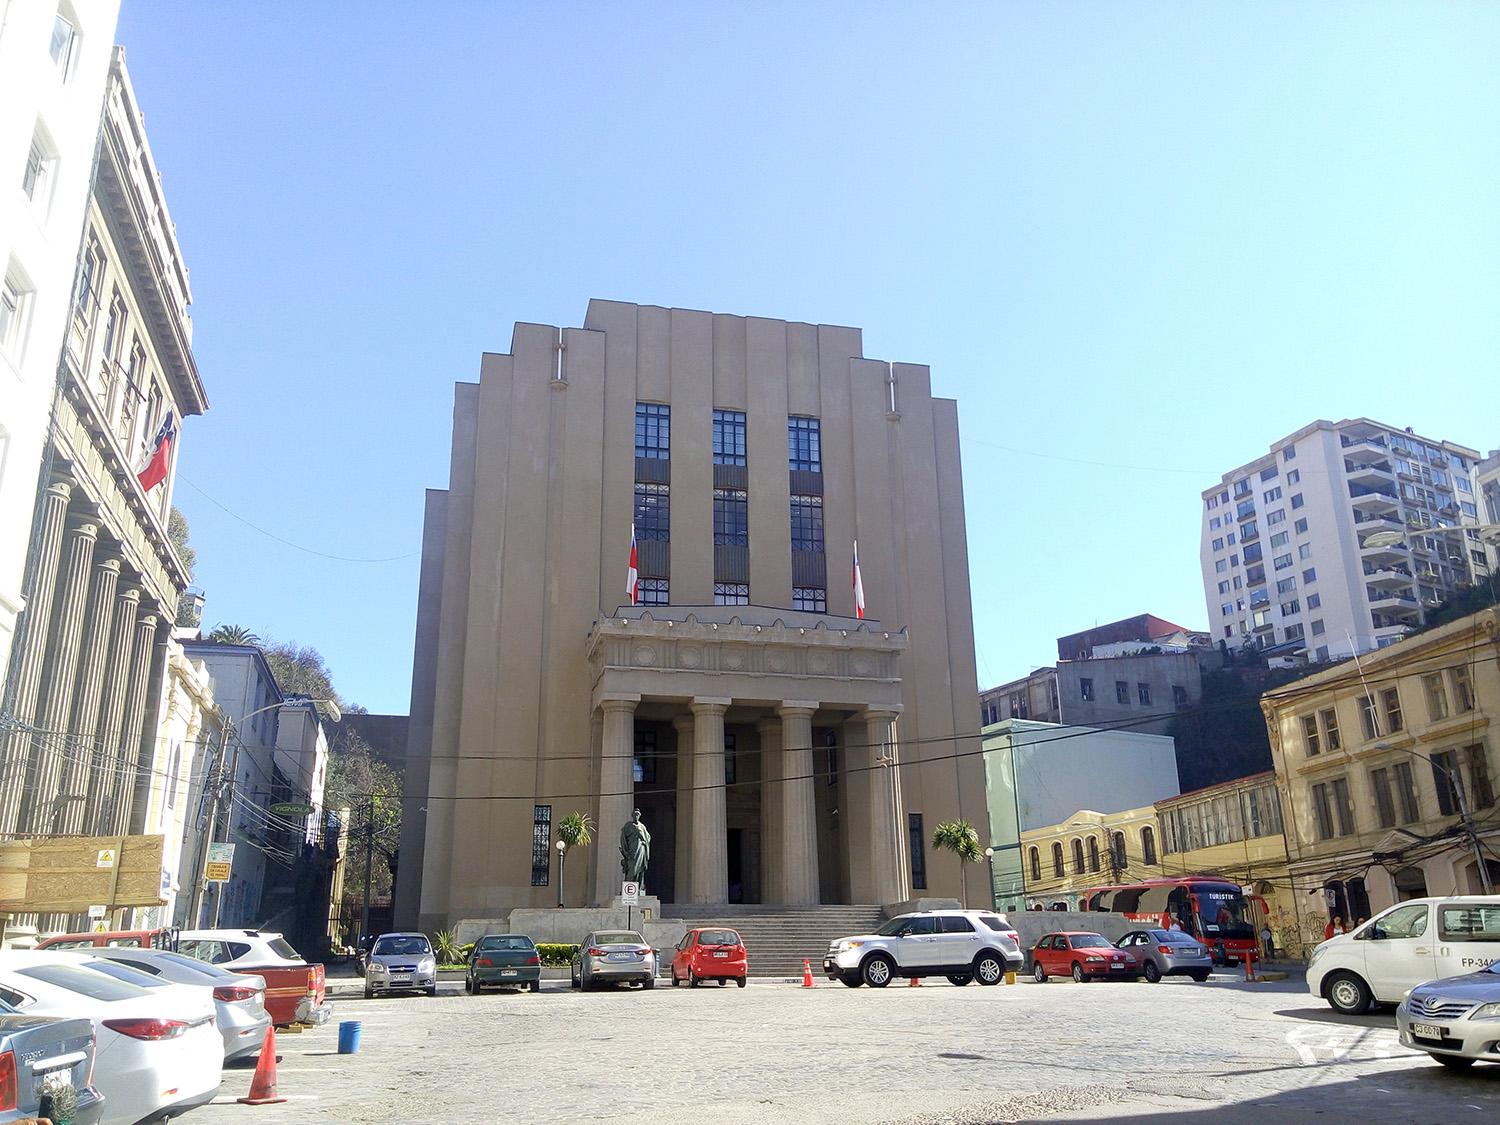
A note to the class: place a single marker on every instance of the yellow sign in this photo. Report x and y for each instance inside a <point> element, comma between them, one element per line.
<point>106,858</point>
<point>217,872</point>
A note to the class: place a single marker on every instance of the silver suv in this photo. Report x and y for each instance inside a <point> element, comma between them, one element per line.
<point>962,945</point>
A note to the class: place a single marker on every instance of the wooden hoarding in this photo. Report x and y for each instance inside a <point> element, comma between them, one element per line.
<point>67,875</point>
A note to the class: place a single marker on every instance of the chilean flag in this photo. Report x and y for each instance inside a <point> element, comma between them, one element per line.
<point>160,455</point>
<point>859,586</point>
<point>632,576</point>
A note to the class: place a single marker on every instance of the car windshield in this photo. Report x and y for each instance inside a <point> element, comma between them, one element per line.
<point>280,947</point>
<point>1089,941</point>
<point>127,973</point>
<point>894,926</point>
<point>618,937</point>
<point>718,937</point>
<point>1224,912</point>
<point>414,946</point>
<point>512,943</point>
<point>85,982</point>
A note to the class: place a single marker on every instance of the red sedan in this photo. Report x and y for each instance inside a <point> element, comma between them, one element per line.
<point>1082,956</point>
<point>710,954</point>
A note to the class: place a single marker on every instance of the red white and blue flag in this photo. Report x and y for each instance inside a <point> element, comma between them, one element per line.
<point>859,586</point>
<point>159,456</point>
<point>633,575</point>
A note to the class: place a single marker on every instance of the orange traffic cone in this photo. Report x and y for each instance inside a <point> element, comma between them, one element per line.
<point>807,981</point>
<point>1249,966</point>
<point>263,1085</point>
<point>915,982</point>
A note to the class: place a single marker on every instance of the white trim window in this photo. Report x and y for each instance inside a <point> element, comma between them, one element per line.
<point>64,45</point>
<point>15,301</point>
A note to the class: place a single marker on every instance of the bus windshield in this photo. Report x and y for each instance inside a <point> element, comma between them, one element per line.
<point>1223,912</point>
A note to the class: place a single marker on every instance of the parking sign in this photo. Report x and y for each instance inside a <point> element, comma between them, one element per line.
<point>630,893</point>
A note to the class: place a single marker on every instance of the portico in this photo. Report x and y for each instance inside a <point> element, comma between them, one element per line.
<point>759,736</point>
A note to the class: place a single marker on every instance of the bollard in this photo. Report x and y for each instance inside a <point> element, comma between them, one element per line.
<point>349,1037</point>
<point>1010,976</point>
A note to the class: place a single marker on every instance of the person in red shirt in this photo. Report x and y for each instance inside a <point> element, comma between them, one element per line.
<point>1335,926</point>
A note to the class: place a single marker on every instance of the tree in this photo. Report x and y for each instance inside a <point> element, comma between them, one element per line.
<point>300,670</point>
<point>177,533</point>
<point>575,830</point>
<point>371,790</point>
<point>233,635</point>
<point>960,838</point>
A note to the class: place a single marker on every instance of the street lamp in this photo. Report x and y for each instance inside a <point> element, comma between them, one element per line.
<point>562,855</point>
<point>989,857</point>
<point>1455,779</point>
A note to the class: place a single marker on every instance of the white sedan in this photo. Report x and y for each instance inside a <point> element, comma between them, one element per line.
<point>158,1049</point>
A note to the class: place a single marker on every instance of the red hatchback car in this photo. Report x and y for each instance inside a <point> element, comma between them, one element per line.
<point>1082,956</point>
<point>713,953</point>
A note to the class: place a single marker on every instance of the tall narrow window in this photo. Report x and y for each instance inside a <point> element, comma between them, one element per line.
<point>1077,857</point>
<point>807,523</point>
<point>918,854</point>
<point>12,312</point>
<point>729,437</point>
<point>1035,856</point>
<point>653,430</point>
<point>643,761</point>
<point>1148,846</point>
<point>1437,696</point>
<point>1330,719</point>
<point>1463,689</point>
<point>1342,808</point>
<point>1122,692</point>
<point>541,844</point>
<point>732,517</point>
<point>1322,811</point>
<point>63,45</point>
<point>1310,741</point>
<point>1385,807</point>
<point>1057,861</point>
<point>1445,776</point>
<point>1481,792</point>
<point>804,445</point>
<point>1406,793</point>
<point>1086,689</point>
<point>1369,719</point>
<point>1094,853</point>
<point>36,178</point>
<point>731,759</point>
<point>1390,699</point>
<point>1117,845</point>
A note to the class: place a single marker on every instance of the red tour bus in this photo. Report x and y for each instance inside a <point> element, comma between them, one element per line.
<point>1210,908</point>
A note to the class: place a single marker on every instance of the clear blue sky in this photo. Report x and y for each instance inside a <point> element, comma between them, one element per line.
<point>1136,242</point>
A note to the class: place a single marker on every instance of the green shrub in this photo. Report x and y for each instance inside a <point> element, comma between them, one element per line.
<point>446,944</point>
<point>556,952</point>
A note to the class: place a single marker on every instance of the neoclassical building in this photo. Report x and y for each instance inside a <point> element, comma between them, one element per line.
<point>781,748</point>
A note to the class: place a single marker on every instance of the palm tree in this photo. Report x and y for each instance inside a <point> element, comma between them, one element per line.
<point>575,830</point>
<point>233,635</point>
<point>960,838</point>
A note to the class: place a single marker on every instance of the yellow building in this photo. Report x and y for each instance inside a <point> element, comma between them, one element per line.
<point>1386,768</point>
<point>1089,849</point>
<point>1234,830</point>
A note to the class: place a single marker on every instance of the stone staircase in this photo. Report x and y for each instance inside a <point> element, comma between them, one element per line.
<point>779,938</point>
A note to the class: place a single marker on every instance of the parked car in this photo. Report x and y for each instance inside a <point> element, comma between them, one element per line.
<point>110,939</point>
<point>158,1051</point>
<point>1083,956</point>
<point>239,998</point>
<point>710,954</point>
<point>962,945</point>
<point>295,991</point>
<point>402,962</point>
<point>46,1056</point>
<point>500,959</point>
<point>1411,942</point>
<point>1167,953</point>
<point>606,956</point>
<point>1456,1020</point>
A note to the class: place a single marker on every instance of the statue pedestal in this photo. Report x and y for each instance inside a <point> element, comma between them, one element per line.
<point>647,902</point>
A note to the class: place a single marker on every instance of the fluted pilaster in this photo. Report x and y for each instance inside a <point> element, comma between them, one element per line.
<point>102,777</point>
<point>799,824</point>
<point>88,693</point>
<point>710,875</point>
<point>29,650</point>
<point>124,764</point>
<point>890,871</point>
<point>772,811</point>
<point>682,862</point>
<point>54,747</point>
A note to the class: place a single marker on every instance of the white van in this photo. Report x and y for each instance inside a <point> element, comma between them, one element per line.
<point>1412,942</point>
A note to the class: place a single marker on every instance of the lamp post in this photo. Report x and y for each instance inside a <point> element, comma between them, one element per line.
<point>1466,822</point>
<point>989,857</point>
<point>562,855</point>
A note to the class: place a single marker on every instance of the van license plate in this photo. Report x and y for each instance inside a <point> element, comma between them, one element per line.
<point>1427,1030</point>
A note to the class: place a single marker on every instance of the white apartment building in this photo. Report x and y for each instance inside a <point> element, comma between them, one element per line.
<point>54,59</point>
<point>1487,485</point>
<point>1287,560</point>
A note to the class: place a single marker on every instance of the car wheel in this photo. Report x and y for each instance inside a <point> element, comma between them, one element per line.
<point>1348,994</point>
<point>958,980</point>
<point>1079,976</point>
<point>1454,1062</point>
<point>432,991</point>
<point>1151,972</point>
<point>850,982</point>
<point>988,969</point>
<point>693,979</point>
<point>1200,975</point>
<point>723,982</point>
<point>740,981</point>
<point>675,981</point>
<point>877,971</point>
<point>1039,973</point>
<point>369,993</point>
<point>534,986</point>
<point>649,982</point>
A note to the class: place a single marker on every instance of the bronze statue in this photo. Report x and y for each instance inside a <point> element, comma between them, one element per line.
<point>635,850</point>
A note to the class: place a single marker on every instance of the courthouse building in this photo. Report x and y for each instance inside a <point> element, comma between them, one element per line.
<point>780,748</point>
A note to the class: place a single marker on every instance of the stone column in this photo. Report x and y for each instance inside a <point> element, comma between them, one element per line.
<point>29,649</point>
<point>682,859</point>
<point>772,810</point>
<point>89,692</point>
<point>616,792</point>
<point>710,829</point>
<point>54,748</point>
<point>124,763</point>
<point>102,777</point>
<point>799,826</point>
<point>892,880</point>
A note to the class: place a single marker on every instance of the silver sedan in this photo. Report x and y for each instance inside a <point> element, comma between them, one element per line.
<point>614,955</point>
<point>1166,953</point>
<point>1456,1020</point>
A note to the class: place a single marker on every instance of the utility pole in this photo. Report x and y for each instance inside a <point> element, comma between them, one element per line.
<point>1469,830</point>
<point>211,792</point>
<point>364,922</point>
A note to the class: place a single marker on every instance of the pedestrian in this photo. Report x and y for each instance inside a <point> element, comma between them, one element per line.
<point>1174,927</point>
<point>1267,942</point>
<point>1335,927</point>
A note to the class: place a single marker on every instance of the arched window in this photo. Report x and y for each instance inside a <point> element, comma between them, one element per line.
<point>1036,865</point>
<point>1077,857</point>
<point>1119,850</point>
<point>1148,846</point>
<point>1057,861</point>
<point>1093,853</point>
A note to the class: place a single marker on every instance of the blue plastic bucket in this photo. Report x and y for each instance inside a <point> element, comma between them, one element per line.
<point>349,1037</point>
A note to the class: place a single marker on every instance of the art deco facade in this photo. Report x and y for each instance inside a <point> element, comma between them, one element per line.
<point>781,750</point>
<point>1292,552</point>
<point>1377,763</point>
<point>103,580</point>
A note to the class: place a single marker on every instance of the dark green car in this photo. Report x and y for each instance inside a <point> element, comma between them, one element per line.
<point>504,959</point>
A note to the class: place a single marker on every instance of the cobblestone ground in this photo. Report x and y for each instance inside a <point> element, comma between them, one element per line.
<point>773,1052</point>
